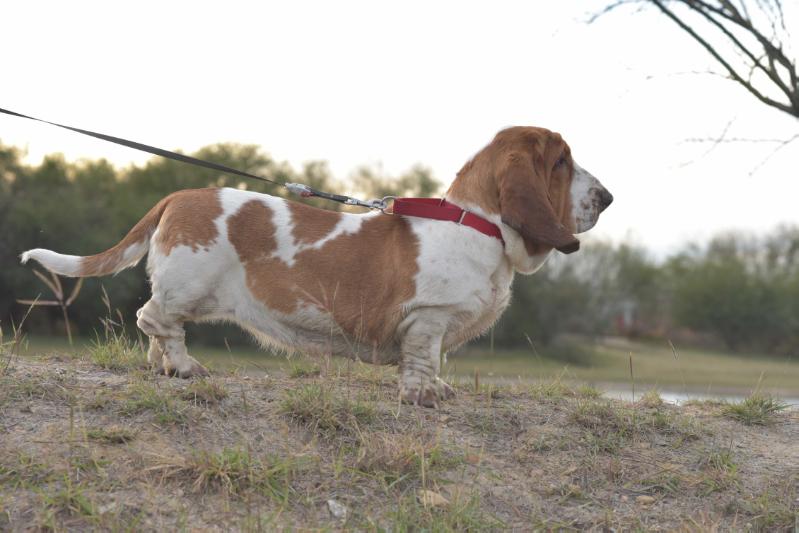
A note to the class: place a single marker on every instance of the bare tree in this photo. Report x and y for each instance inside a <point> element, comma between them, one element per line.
<point>747,37</point>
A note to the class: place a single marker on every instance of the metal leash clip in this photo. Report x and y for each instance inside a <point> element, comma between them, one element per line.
<point>299,189</point>
<point>305,191</point>
<point>381,204</point>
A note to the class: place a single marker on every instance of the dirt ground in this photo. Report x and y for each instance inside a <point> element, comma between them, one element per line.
<point>88,448</point>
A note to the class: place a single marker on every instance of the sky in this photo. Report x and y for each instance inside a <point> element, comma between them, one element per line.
<point>403,83</point>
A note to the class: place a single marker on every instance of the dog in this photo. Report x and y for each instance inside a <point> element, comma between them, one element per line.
<point>381,287</point>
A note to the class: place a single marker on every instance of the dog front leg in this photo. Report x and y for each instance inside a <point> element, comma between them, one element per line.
<point>421,363</point>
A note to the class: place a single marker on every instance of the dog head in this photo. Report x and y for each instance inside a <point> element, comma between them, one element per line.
<point>527,180</point>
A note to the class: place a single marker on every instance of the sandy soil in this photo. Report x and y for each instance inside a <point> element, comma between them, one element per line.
<point>86,448</point>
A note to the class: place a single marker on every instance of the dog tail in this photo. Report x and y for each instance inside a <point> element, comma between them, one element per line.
<point>126,253</point>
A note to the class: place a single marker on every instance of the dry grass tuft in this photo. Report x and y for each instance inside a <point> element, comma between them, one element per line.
<point>326,410</point>
<point>165,408</point>
<point>111,434</point>
<point>230,471</point>
<point>205,391</point>
<point>757,409</point>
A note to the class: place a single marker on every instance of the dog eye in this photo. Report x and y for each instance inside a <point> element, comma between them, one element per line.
<point>560,162</point>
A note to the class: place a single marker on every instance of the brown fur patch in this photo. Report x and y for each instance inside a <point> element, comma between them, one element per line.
<point>361,279</point>
<point>188,220</point>
<point>311,224</point>
<point>544,185</point>
<point>108,261</point>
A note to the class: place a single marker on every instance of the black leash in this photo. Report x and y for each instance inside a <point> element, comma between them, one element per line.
<point>296,188</point>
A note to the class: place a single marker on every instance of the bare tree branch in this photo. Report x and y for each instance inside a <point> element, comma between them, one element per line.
<point>750,49</point>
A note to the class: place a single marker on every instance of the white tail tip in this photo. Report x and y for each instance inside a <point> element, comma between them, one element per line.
<point>66,265</point>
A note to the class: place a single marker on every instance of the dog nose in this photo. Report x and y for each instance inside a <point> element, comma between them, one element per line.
<point>605,198</point>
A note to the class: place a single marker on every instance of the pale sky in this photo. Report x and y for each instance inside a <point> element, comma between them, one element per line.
<point>395,84</point>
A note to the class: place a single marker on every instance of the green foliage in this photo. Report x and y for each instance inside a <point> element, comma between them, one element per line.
<point>743,292</point>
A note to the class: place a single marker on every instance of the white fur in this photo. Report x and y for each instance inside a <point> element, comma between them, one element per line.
<point>584,196</point>
<point>65,265</point>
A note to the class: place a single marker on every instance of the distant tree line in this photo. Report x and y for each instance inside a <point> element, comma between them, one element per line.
<point>737,292</point>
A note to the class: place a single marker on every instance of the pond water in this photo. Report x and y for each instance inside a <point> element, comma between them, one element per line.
<point>679,397</point>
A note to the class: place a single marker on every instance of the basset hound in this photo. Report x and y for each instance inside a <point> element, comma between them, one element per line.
<point>381,287</point>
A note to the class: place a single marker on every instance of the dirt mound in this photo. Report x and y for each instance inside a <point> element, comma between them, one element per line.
<point>86,448</point>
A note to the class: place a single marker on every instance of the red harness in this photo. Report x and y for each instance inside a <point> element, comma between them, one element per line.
<point>440,209</point>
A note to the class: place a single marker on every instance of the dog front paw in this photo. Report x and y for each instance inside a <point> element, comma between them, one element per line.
<point>190,370</point>
<point>446,390</point>
<point>426,393</point>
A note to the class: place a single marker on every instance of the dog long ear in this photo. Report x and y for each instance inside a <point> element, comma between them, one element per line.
<point>525,206</point>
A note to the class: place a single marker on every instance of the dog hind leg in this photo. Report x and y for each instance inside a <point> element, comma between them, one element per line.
<point>167,353</point>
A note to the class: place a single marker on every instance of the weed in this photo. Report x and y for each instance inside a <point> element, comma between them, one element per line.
<point>205,392</point>
<point>771,510</point>
<point>303,369</point>
<point>667,481</point>
<point>70,498</point>
<point>540,440</point>
<point>111,435</point>
<point>720,472</point>
<point>557,390</point>
<point>23,470</point>
<point>493,420</point>
<point>396,458</point>
<point>651,399</point>
<point>117,352</point>
<point>29,388</point>
<point>144,397</point>
<point>99,400</point>
<point>232,471</point>
<point>757,409</point>
<point>463,513</point>
<point>320,409</point>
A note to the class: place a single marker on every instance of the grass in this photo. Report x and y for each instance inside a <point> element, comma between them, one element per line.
<point>720,472</point>
<point>205,391</point>
<point>558,389</point>
<point>758,409</point>
<point>116,352</point>
<point>326,410</point>
<point>772,509</point>
<point>609,363</point>
<point>303,369</point>
<point>463,513</point>
<point>610,425</point>
<point>69,498</point>
<point>232,471</point>
<point>397,459</point>
<point>26,388</point>
<point>86,450</point>
<point>165,408</point>
<point>111,434</point>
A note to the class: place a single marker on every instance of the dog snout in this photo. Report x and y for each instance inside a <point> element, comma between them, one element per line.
<point>605,198</point>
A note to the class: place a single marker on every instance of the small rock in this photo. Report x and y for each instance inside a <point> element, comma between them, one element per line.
<point>430,498</point>
<point>338,510</point>
<point>645,500</point>
<point>107,508</point>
